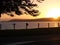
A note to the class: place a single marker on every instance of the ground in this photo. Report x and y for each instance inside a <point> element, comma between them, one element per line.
<point>40,36</point>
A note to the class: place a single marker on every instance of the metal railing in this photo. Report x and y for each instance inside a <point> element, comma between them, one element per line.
<point>27,25</point>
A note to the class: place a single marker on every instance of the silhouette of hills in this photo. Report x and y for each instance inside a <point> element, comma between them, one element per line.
<point>40,19</point>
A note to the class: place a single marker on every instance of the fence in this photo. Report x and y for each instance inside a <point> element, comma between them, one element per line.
<point>27,25</point>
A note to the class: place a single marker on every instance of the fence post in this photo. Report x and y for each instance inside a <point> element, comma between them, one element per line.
<point>58,25</point>
<point>26,26</point>
<point>48,25</point>
<point>38,25</point>
<point>14,26</point>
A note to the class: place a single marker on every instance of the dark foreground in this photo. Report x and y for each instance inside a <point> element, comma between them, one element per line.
<point>46,36</point>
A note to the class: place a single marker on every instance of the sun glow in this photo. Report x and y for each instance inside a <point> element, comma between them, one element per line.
<point>54,13</point>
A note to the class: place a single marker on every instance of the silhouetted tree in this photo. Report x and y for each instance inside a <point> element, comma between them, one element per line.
<point>8,6</point>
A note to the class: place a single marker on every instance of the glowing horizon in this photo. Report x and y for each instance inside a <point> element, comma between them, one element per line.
<point>54,13</point>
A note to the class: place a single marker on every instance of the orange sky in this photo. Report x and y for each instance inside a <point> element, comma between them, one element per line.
<point>44,7</point>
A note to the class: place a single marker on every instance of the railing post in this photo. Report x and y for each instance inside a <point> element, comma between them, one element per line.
<point>14,26</point>
<point>48,25</point>
<point>58,25</point>
<point>26,26</point>
<point>38,25</point>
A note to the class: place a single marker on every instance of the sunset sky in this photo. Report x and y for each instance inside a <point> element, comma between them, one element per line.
<point>47,9</point>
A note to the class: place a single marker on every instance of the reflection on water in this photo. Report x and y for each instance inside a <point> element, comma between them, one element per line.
<point>22,25</point>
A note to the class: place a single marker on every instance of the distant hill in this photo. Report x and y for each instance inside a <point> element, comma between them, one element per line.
<point>41,19</point>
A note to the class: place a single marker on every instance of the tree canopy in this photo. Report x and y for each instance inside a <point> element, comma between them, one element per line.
<point>8,6</point>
